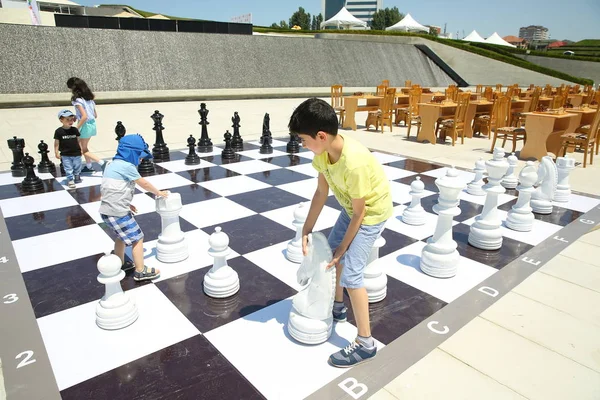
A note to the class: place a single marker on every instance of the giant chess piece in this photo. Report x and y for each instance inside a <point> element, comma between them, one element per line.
<point>171,246</point>
<point>509,181</point>
<point>311,319</point>
<point>520,217</point>
<point>293,146</point>
<point>120,130</point>
<point>192,158</point>
<point>485,233</point>
<point>439,257</point>
<point>45,164</point>
<point>227,153</point>
<point>32,183</point>
<point>541,199</point>
<point>115,310</point>
<point>475,186</point>
<point>294,247</point>
<point>564,166</point>
<point>375,281</point>
<point>160,151</point>
<point>237,143</point>
<point>221,280</point>
<point>204,144</point>
<point>414,214</point>
<point>17,145</point>
<point>266,129</point>
<point>146,167</point>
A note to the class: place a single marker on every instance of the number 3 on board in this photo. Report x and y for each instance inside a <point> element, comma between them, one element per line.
<point>10,298</point>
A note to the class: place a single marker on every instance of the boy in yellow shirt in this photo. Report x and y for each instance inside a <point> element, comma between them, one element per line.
<point>361,187</point>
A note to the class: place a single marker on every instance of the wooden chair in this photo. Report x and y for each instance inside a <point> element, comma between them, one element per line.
<point>484,123</point>
<point>411,113</point>
<point>380,91</point>
<point>452,92</point>
<point>452,127</point>
<point>407,83</point>
<point>488,93</point>
<point>337,101</point>
<point>383,116</point>
<point>584,140</point>
<point>385,83</point>
<point>518,119</point>
<point>503,130</point>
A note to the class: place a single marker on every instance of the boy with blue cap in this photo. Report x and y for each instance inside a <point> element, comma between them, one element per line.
<point>66,147</point>
<point>118,185</point>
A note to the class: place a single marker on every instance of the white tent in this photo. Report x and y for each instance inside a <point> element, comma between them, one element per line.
<point>474,37</point>
<point>408,24</point>
<point>496,39</point>
<point>344,19</point>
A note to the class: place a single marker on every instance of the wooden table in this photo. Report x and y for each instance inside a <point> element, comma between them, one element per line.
<point>430,112</point>
<point>543,133</point>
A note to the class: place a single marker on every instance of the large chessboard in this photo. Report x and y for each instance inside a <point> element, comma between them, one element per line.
<point>186,345</point>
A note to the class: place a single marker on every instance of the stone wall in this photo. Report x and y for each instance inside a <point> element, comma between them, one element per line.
<point>583,69</point>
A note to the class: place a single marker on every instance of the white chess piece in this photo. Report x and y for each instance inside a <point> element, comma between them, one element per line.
<point>294,247</point>
<point>171,246</point>
<point>485,233</point>
<point>475,186</point>
<point>439,257</point>
<point>563,190</point>
<point>221,280</point>
<point>509,181</point>
<point>520,217</point>
<point>541,199</point>
<point>115,310</point>
<point>375,281</point>
<point>414,214</point>
<point>311,317</point>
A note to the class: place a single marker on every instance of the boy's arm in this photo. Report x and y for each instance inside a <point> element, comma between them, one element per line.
<point>316,205</point>
<point>150,188</point>
<point>56,153</point>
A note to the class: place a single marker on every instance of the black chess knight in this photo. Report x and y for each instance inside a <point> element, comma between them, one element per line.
<point>160,151</point>
<point>204,144</point>
<point>17,145</point>
<point>45,164</point>
<point>32,182</point>
<point>266,139</point>
<point>192,158</point>
<point>237,143</point>
<point>227,153</point>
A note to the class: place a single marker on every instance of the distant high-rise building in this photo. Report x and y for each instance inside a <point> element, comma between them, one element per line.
<point>534,32</point>
<point>361,9</point>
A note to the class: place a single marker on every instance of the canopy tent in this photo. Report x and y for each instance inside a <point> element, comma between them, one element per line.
<point>496,39</point>
<point>344,19</point>
<point>474,37</point>
<point>408,24</point>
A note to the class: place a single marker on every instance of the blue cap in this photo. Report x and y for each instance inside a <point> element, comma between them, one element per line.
<point>131,148</point>
<point>65,113</point>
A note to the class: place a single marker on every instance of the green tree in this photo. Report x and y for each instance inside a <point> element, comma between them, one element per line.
<point>283,25</point>
<point>319,21</point>
<point>315,25</point>
<point>300,18</point>
<point>385,17</point>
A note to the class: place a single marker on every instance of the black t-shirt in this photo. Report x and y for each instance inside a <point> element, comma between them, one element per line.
<point>68,144</point>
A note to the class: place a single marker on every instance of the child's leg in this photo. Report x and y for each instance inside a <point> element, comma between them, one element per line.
<point>76,167</point>
<point>68,166</point>
<point>83,143</point>
<point>120,249</point>
<point>137,250</point>
<point>360,305</point>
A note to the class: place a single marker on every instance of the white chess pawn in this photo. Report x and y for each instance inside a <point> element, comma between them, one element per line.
<point>510,181</point>
<point>414,214</point>
<point>221,280</point>
<point>475,186</point>
<point>171,246</point>
<point>520,217</point>
<point>115,310</point>
<point>563,190</point>
<point>375,281</point>
<point>294,247</point>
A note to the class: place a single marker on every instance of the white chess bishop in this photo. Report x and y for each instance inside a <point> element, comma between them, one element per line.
<point>221,280</point>
<point>294,248</point>
<point>171,246</point>
<point>375,280</point>
<point>115,310</point>
<point>541,199</point>
<point>414,214</point>
<point>311,317</point>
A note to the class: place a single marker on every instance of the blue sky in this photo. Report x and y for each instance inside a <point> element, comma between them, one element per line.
<point>573,19</point>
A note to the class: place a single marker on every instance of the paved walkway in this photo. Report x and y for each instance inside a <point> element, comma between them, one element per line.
<point>540,341</point>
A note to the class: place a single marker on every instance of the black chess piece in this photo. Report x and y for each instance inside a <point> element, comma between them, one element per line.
<point>237,143</point>
<point>32,182</point>
<point>146,167</point>
<point>45,164</point>
<point>265,139</point>
<point>120,130</point>
<point>17,145</point>
<point>204,144</point>
<point>227,153</point>
<point>266,129</point>
<point>160,151</point>
<point>293,145</point>
<point>192,158</point>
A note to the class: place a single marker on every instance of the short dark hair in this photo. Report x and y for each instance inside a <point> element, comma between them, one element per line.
<point>312,116</point>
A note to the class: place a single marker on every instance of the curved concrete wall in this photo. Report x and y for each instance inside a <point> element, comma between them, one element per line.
<point>36,59</point>
<point>583,69</point>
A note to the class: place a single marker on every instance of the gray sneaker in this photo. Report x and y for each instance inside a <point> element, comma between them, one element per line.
<point>355,353</point>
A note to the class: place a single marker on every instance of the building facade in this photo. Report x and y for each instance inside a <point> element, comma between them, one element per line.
<point>361,9</point>
<point>534,32</point>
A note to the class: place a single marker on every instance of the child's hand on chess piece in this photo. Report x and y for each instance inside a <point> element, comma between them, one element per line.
<point>133,208</point>
<point>163,193</point>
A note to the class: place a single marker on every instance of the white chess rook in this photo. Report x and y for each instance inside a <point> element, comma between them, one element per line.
<point>486,233</point>
<point>294,247</point>
<point>541,199</point>
<point>414,214</point>
<point>509,181</point>
<point>221,280</point>
<point>563,190</point>
<point>171,246</point>
<point>115,310</point>
<point>475,186</point>
<point>375,281</point>
<point>520,217</point>
<point>439,257</point>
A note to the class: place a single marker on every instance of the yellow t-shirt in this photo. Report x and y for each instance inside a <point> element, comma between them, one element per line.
<point>355,175</point>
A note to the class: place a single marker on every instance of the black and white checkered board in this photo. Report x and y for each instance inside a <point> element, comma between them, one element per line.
<point>188,346</point>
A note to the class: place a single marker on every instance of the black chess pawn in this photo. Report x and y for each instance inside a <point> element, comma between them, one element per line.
<point>265,147</point>
<point>45,164</point>
<point>293,145</point>
<point>192,158</point>
<point>32,182</point>
<point>204,144</point>
<point>237,143</point>
<point>120,130</point>
<point>160,151</point>
<point>146,167</point>
<point>227,153</point>
<point>17,145</point>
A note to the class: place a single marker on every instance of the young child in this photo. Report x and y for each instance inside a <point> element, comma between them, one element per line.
<point>83,100</point>
<point>66,147</point>
<point>117,188</point>
<point>361,187</point>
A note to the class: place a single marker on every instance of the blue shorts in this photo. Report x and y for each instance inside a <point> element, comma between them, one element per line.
<point>88,129</point>
<point>356,257</point>
<point>126,228</point>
